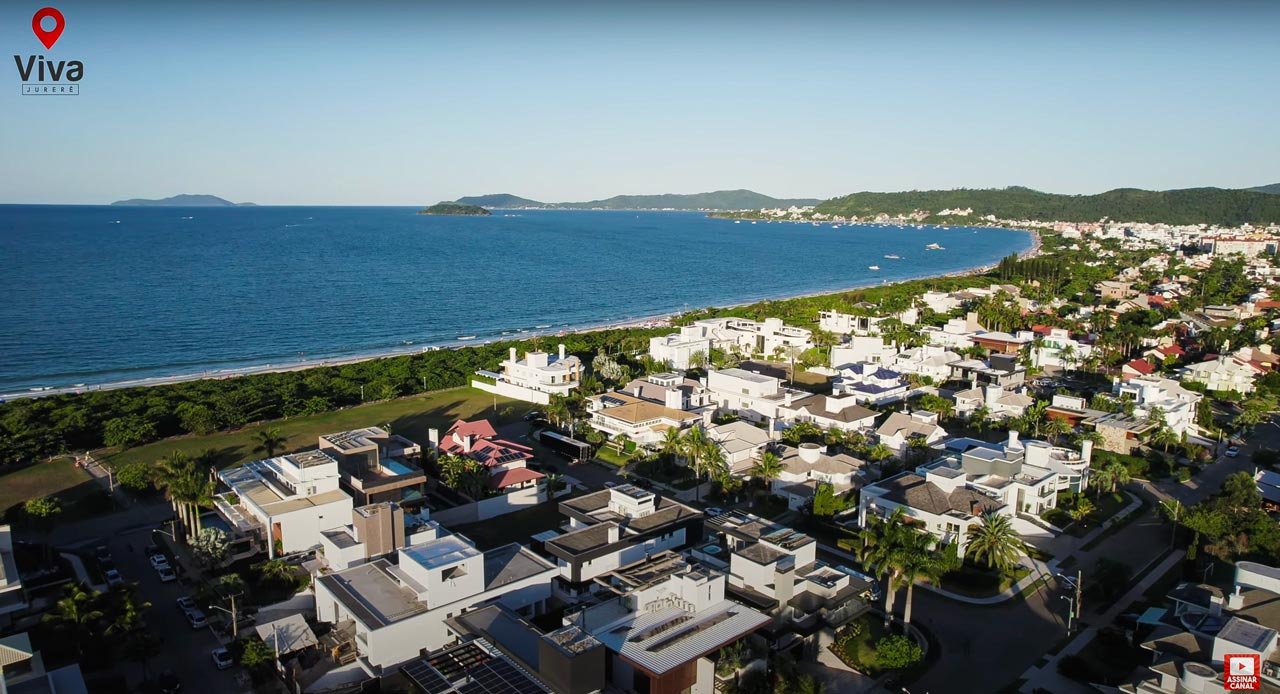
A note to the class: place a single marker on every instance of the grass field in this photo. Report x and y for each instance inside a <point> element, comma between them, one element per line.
<point>41,479</point>
<point>410,417</point>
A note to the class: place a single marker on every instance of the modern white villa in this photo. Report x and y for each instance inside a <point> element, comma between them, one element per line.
<point>284,503</point>
<point>535,378</point>
<point>678,349</point>
<point>644,422</point>
<point>768,337</point>
<point>752,396</point>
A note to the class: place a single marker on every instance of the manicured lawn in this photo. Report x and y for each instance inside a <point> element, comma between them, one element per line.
<point>59,476</point>
<point>410,417</point>
<point>860,651</point>
<point>612,457</point>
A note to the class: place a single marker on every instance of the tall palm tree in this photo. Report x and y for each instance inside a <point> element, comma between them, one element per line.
<point>767,468</point>
<point>916,560</point>
<point>172,476</point>
<point>269,441</point>
<point>671,444</point>
<point>274,570</point>
<point>881,543</point>
<point>1114,475</point>
<point>994,542</point>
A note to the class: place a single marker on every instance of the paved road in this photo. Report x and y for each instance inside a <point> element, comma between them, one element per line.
<point>185,650</point>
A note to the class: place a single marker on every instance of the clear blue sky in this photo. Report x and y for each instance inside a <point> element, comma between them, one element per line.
<point>414,102</point>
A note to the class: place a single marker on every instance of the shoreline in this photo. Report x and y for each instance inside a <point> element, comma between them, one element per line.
<point>650,321</point>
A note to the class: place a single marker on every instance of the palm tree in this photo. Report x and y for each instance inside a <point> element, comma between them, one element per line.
<point>1068,356</point>
<point>695,443</point>
<point>671,443</point>
<point>173,476</point>
<point>1112,475</point>
<point>980,419</point>
<point>1083,508</point>
<point>275,570</point>
<point>994,542</point>
<point>767,468</point>
<point>269,441</point>
<point>558,410</point>
<point>1055,428</point>
<point>128,615</point>
<point>78,611</point>
<point>916,560</point>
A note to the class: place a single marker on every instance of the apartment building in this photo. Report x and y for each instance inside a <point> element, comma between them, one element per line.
<point>376,465</point>
<point>284,503</point>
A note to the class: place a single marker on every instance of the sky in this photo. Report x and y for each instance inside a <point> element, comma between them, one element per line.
<point>409,103</point>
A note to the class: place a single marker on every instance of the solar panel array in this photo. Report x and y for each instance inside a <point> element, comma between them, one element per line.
<point>493,676</point>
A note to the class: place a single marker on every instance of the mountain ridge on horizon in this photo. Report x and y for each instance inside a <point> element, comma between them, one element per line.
<point>738,199</point>
<point>182,200</point>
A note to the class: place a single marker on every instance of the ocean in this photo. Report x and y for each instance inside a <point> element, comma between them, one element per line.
<point>96,295</point>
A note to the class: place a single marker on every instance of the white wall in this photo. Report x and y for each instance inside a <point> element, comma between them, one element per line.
<point>300,530</point>
<point>491,508</point>
<point>513,391</point>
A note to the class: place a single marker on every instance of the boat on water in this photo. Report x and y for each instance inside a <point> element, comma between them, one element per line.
<point>873,267</point>
<point>934,247</point>
<point>891,256</point>
<point>542,326</point>
<point>753,222</point>
<point>737,221</point>
<point>466,337</point>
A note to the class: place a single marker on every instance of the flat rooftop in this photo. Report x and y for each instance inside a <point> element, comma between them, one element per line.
<point>372,595</point>
<point>367,437</point>
<point>663,640</point>
<point>443,551</point>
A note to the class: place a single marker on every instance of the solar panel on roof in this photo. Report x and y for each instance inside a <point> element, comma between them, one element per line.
<point>427,678</point>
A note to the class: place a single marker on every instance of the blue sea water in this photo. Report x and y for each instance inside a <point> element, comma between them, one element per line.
<point>104,294</point>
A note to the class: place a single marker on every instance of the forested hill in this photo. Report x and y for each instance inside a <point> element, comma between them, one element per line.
<point>1188,206</point>
<point>717,200</point>
<point>1274,189</point>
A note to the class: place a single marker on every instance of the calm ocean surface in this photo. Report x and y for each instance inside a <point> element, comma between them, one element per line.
<point>104,294</point>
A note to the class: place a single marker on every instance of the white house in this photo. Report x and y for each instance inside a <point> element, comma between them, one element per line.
<point>829,412</point>
<point>901,427</point>
<point>851,324</point>
<point>672,390</point>
<point>287,501</point>
<point>931,361</point>
<point>809,464</point>
<point>740,442</point>
<point>1223,373</point>
<point>766,337</point>
<point>862,348</point>
<point>1177,403</point>
<point>939,501</point>
<point>678,349</point>
<point>870,383</point>
<point>752,396</point>
<point>1057,348</point>
<point>399,608</point>
<point>642,421</point>
<point>536,377</point>
<point>1001,403</point>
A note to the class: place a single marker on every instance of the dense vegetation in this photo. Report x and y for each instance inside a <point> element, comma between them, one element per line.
<point>34,428</point>
<point>452,208</point>
<point>1189,206</point>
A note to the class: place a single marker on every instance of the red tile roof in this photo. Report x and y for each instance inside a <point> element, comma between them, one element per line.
<point>1141,366</point>
<point>485,447</point>
<point>510,478</point>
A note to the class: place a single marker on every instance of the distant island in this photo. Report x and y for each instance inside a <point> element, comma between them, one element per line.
<point>182,201</point>
<point>717,200</point>
<point>455,209</point>
<point>1188,206</point>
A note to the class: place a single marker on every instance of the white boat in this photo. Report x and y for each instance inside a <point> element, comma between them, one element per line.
<point>466,337</point>
<point>753,222</point>
<point>893,257</point>
<point>737,221</point>
<point>934,247</point>
<point>542,326</point>
<point>873,267</point>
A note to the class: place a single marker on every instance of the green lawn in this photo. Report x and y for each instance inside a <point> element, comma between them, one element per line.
<point>59,476</point>
<point>980,581</point>
<point>860,651</point>
<point>410,417</point>
<point>612,457</point>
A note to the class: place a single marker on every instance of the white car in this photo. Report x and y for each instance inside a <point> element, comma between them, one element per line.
<point>113,577</point>
<point>159,561</point>
<point>166,574</point>
<point>713,511</point>
<point>196,619</point>
<point>222,658</point>
<point>1233,451</point>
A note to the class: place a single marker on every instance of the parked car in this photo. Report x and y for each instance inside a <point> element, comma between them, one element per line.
<point>196,619</point>
<point>1233,451</point>
<point>113,577</point>
<point>222,658</point>
<point>186,603</point>
<point>532,416</point>
<point>713,511</point>
<point>166,574</point>
<point>159,561</point>
<point>610,485</point>
<point>101,553</point>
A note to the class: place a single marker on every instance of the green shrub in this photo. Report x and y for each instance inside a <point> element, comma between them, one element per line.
<point>898,651</point>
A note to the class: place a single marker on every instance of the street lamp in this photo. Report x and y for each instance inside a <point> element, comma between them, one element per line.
<point>1071,611</point>
<point>235,623</point>
<point>1076,599</point>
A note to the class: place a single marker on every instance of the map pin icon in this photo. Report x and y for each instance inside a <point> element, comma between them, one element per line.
<point>48,38</point>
